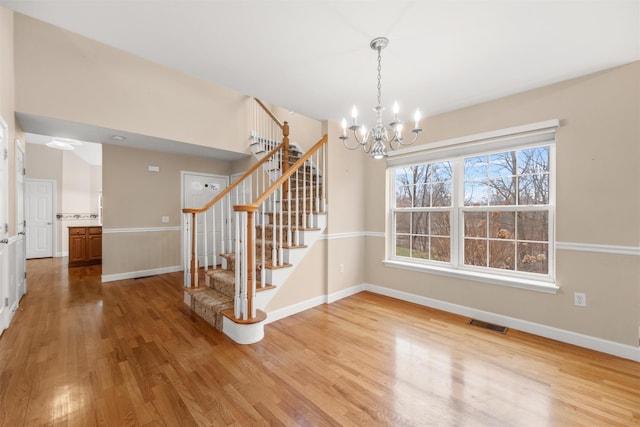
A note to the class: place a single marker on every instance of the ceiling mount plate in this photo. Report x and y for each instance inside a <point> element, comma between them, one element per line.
<point>379,43</point>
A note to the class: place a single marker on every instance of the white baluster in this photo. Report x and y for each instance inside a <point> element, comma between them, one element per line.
<point>304,196</point>
<point>214,254</point>
<point>223,221</point>
<point>244,243</point>
<point>280,248</point>
<point>230,237</point>
<point>195,244</point>
<point>205,241</point>
<point>317,199</point>
<point>289,211</point>
<point>237,306</point>
<point>297,203</point>
<point>274,231</point>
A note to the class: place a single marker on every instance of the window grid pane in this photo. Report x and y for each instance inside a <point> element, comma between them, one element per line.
<point>500,235</point>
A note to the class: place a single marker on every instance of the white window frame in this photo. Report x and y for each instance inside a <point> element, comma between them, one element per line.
<point>455,150</point>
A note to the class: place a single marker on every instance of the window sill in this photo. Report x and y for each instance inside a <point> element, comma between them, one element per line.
<point>513,282</point>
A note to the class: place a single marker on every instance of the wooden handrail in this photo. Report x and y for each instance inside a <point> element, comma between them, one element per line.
<point>235,183</point>
<point>269,113</point>
<point>285,176</point>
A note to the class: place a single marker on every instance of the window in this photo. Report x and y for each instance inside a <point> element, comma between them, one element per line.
<point>484,211</point>
<point>423,211</point>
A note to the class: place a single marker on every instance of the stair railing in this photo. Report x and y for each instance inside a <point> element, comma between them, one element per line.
<point>304,179</point>
<point>203,249</point>
<point>299,187</point>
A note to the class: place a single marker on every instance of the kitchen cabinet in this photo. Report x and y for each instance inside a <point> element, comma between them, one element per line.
<point>85,245</point>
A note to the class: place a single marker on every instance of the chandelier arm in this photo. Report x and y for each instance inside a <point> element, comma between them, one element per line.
<point>367,147</point>
<point>348,147</point>
<point>360,141</point>
<point>415,138</point>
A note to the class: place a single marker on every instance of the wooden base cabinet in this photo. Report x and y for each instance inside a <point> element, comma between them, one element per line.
<point>85,245</point>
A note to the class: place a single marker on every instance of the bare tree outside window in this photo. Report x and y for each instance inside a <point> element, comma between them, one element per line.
<point>504,213</point>
<point>423,231</point>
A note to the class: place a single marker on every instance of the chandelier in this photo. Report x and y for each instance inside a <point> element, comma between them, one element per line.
<point>374,141</point>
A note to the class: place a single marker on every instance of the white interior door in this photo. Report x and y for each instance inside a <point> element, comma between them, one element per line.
<point>4,226</point>
<point>21,255</point>
<point>39,217</point>
<point>197,190</point>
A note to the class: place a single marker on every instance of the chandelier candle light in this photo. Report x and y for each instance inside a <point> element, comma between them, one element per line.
<point>374,141</point>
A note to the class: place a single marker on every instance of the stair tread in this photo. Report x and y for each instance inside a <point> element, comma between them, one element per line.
<point>229,274</point>
<point>277,267</point>
<point>294,246</point>
<point>211,297</point>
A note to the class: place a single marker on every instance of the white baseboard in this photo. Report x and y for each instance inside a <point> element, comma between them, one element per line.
<point>581,340</point>
<point>275,315</point>
<point>272,316</point>
<point>141,273</point>
<point>344,293</point>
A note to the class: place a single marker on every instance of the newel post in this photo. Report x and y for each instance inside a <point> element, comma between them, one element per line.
<point>250,249</point>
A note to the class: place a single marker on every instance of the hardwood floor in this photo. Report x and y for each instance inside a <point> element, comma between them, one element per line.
<point>82,353</point>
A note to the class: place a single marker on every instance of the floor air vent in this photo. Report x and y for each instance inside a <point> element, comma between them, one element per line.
<point>490,326</point>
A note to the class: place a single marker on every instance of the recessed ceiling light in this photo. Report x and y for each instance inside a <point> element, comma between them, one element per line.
<point>118,138</point>
<point>63,143</point>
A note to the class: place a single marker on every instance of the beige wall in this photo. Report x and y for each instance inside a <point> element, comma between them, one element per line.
<point>346,191</point>
<point>598,202</point>
<point>62,75</point>
<point>76,184</point>
<point>303,130</point>
<point>7,102</point>
<point>135,198</point>
<point>131,252</point>
<point>306,282</point>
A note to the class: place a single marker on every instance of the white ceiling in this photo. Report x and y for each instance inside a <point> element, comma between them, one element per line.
<point>313,57</point>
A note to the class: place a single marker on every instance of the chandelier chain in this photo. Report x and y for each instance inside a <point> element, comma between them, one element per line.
<point>379,77</point>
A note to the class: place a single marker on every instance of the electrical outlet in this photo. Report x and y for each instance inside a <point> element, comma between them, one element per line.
<point>165,219</point>
<point>341,268</point>
<point>580,299</point>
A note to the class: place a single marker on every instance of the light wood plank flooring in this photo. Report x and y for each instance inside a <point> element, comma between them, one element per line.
<point>82,353</point>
